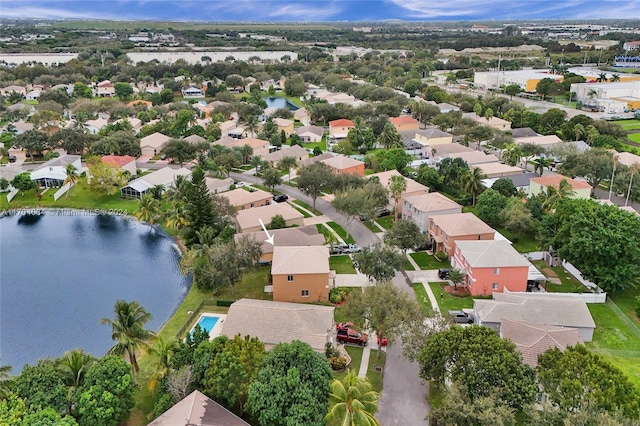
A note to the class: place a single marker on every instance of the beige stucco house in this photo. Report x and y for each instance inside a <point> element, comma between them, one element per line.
<point>301,274</point>
<point>284,124</point>
<point>242,199</point>
<point>151,145</point>
<point>446,229</point>
<point>420,207</point>
<point>248,220</point>
<point>581,189</point>
<point>433,136</point>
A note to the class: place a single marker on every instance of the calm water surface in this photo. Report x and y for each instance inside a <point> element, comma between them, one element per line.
<point>277,102</point>
<point>59,275</point>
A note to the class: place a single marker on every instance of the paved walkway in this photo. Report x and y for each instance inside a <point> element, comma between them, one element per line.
<point>432,297</point>
<point>352,280</point>
<point>413,263</point>
<point>364,364</point>
<point>377,225</point>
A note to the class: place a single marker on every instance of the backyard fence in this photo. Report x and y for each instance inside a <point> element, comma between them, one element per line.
<point>585,297</point>
<point>578,276</point>
<point>60,192</point>
<point>11,194</point>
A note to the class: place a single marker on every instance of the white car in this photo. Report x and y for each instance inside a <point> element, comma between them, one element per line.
<point>239,184</point>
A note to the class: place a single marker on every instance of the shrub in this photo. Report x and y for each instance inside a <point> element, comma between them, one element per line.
<point>638,306</point>
<point>337,363</point>
<point>330,351</point>
<point>338,294</point>
<point>441,256</point>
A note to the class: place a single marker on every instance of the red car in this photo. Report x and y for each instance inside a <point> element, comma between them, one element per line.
<point>348,335</point>
<point>346,324</point>
<point>384,341</point>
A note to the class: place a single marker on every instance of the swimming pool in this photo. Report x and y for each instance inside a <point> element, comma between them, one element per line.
<point>210,322</point>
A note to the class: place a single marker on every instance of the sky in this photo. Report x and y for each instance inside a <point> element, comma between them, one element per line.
<point>314,11</point>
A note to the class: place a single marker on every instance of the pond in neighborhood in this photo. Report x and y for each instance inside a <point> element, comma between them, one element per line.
<point>63,270</point>
<point>276,102</point>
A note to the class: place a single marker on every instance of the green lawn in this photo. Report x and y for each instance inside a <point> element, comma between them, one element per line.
<point>408,266</point>
<point>373,228</point>
<point>386,222</point>
<point>427,261</point>
<point>436,395</point>
<point>341,232</point>
<point>448,302</point>
<point>629,124</point>
<point>322,144</point>
<point>304,213</point>
<point>80,197</point>
<point>522,242</point>
<point>307,206</point>
<point>375,377</point>
<point>626,301</point>
<point>423,299</point>
<point>342,264</point>
<point>615,341</point>
<point>634,137</point>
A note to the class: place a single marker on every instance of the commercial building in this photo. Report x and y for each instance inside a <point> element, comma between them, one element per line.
<point>527,80</point>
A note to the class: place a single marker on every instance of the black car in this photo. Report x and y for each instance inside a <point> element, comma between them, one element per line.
<point>280,198</point>
<point>12,158</point>
<point>443,273</point>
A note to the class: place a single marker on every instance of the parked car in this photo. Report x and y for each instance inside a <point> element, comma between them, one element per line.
<point>384,341</point>
<point>352,248</point>
<point>12,158</point>
<point>238,184</point>
<point>379,213</point>
<point>443,273</point>
<point>346,324</point>
<point>280,198</point>
<point>349,335</point>
<point>163,157</point>
<point>461,317</point>
<point>338,248</point>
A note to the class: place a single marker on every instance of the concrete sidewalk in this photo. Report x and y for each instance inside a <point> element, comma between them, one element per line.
<point>352,280</point>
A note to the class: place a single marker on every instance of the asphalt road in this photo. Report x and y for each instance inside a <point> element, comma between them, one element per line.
<point>404,396</point>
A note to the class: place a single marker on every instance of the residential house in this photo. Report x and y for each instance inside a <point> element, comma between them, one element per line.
<point>404,122</point>
<point>560,311</point>
<point>420,207</point>
<point>413,187</point>
<point>94,126</point>
<point>137,102</point>
<point>53,173</point>
<point>339,129</point>
<point>124,162</point>
<point>33,95</point>
<point>6,91</point>
<point>542,141</point>
<point>339,98</point>
<point>260,147</point>
<point>195,139</point>
<point>152,90</point>
<point>310,134</point>
<point>136,123</point>
<point>198,409</point>
<point>445,150</point>
<point>498,170</point>
<point>274,322</point>
<point>216,186</point>
<point>286,237</point>
<point>523,132</point>
<point>532,340</point>
<point>284,124</point>
<point>242,199</point>
<point>521,181</point>
<point>341,164</point>
<point>295,151</point>
<point>302,115</point>
<point>473,158</point>
<point>581,189</point>
<point>192,92</point>
<point>433,136</point>
<point>317,159</point>
<point>151,145</point>
<point>627,158</point>
<point>445,230</point>
<point>490,266</point>
<point>301,274</point>
<point>227,126</point>
<point>165,177</point>
<point>105,89</point>
<point>493,122</point>
<point>22,126</point>
<point>248,220</point>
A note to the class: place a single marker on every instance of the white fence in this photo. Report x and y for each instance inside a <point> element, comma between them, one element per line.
<point>578,276</point>
<point>585,297</point>
<point>11,194</point>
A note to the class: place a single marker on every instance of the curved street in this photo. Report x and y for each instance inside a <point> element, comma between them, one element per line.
<point>404,395</point>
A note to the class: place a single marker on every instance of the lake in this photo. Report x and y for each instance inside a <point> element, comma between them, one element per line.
<point>63,270</point>
<point>277,102</point>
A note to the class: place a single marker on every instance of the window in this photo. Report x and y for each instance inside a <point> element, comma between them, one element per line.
<point>496,271</point>
<point>251,204</point>
<point>494,286</point>
<point>290,278</point>
<point>304,293</point>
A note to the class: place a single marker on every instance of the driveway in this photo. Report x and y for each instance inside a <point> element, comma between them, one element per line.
<point>404,396</point>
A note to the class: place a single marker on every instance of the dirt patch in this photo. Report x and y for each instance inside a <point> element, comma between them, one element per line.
<point>458,292</point>
<point>549,272</point>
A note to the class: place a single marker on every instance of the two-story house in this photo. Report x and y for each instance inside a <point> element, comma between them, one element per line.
<point>301,274</point>
<point>445,230</point>
<point>420,207</point>
<point>339,129</point>
<point>490,266</point>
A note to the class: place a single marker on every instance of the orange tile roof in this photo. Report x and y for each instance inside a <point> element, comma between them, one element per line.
<point>118,160</point>
<point>556,179</point>
<point>403,119</point>
<point>341,122</point>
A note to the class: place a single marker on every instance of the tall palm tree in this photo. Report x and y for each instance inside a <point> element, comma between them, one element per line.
<point>613,174</point>
<point>161,351</point>
<point>397,185</point>
<point>633,170</point>
<point>148,210</point>
<point>73,366</point>
<point>578,130</point>
<point>72,177</point>
<point>177,217</point>
<point>512,154</point>
<point>128,330</point>
<point>564,191</point>
<point>591,133</point>
<point>472,183</point>
<point>5,379</point>
<point>251,124</point>
<point>246,151</point>
<point>353,402</point>
<point>540,163</point>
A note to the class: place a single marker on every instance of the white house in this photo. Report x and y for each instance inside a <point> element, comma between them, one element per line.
<point>53,173</point>
<point>165,177</point>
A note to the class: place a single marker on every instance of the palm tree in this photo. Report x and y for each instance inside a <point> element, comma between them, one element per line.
<point>540,163</point>
<point>251,124</point>
<point>512,154</point>
<point>72,177</point>
<point>613,174</point>
<point>246,151</point>
<point>390,138</point>
<point>472,183</point>
<point>161,351</point>
<point>591,133</point>
<point>633,170</point>
<point>73,366</point>
<point>177,217</point>
<point>148,210</point>
<point>578,131</point>
<point>128,330</point>
<point>353,402</point>
<point>397,185</point>
<point>5,379</point>
<point>602,78</point>
<point>457,276</point>
<point>554,195</point>
<point>615,78</point>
